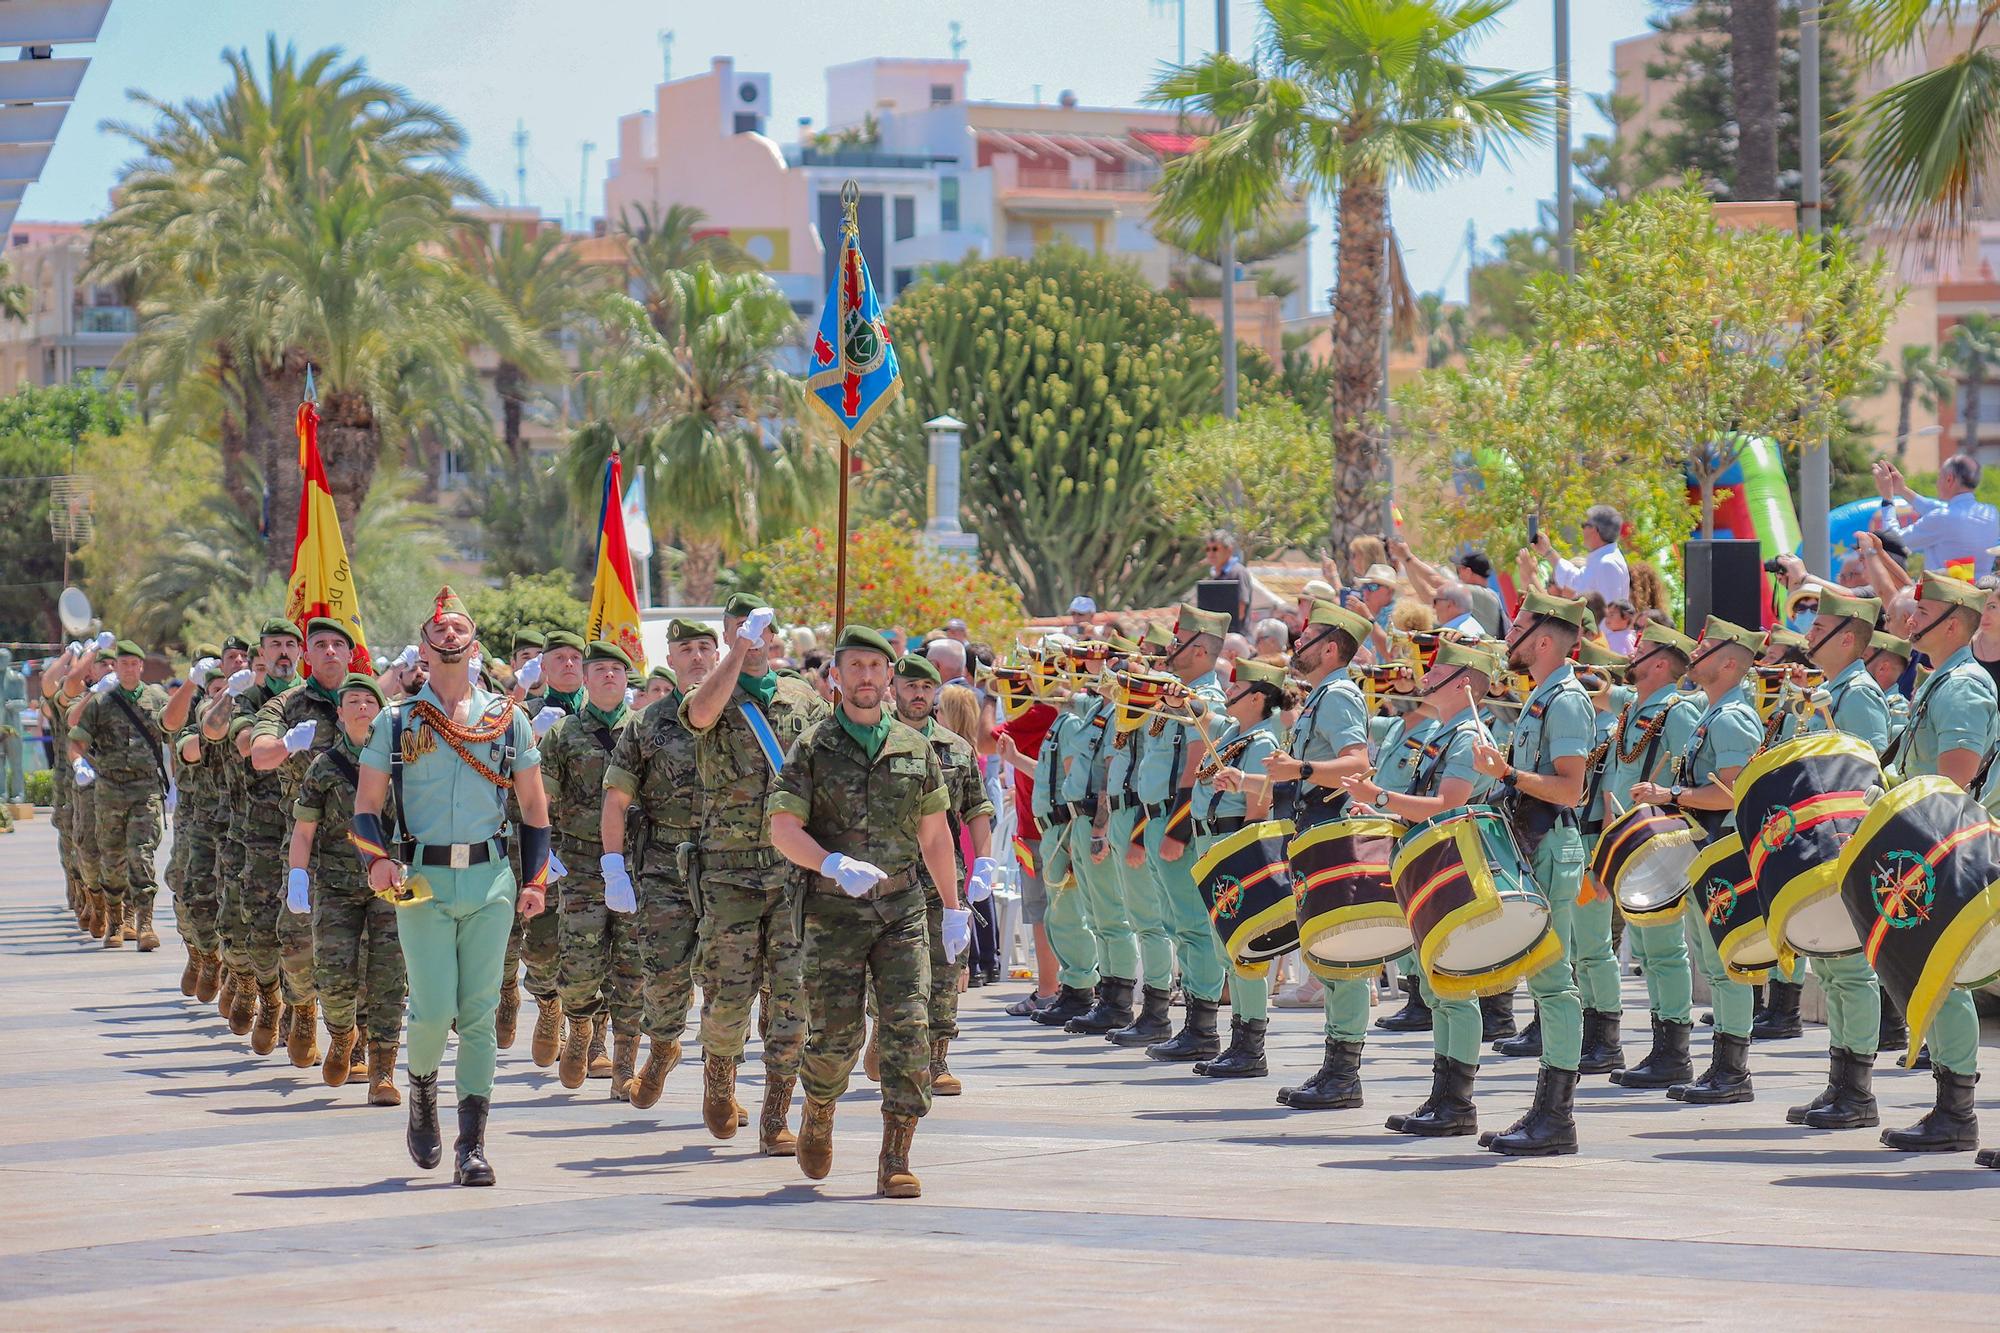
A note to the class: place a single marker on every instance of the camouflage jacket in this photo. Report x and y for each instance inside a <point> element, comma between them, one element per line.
<point>326,798</point>
<point>304,702</point>
<point>575,754</point>
<point>257,805</point>
<point>119,749</point>
<point>869,809</point>
<point>736,779</point>
<point>654,764</point>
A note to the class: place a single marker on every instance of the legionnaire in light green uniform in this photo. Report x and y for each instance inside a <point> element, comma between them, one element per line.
<point>1067,920</point>
<point>1166,778</point>
<point>1543,774</point>
<point>1723,742</point>
<point>860,802</point>
<point>555,685</point>
<point>1596,959</point>
<point>1647,741</point>
<point>1783,648</point>
<point>1888,658</point>
<point>1953,724</point>
<point>1084,752</point>
<point>1126,857</point>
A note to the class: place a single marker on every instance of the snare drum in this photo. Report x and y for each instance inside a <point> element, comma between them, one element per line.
<point>1246,884</point>
<point>1732,910</point>
<point>1797,804</point>
<point>1479,920</point>
<point>1642,860</point>
<point>1349,920</point>
<point>1920,880</point>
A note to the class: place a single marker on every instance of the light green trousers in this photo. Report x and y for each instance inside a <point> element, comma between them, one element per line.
<point>1853,1002</point>
<point>1558,867</point>
<point>1068,925</point>
<point>1144,903</point>
<point>453,946</point>
<point>1663,952</point>
<point>1103,889</point>
<point>1596,963</point>
<point>1200,952</point>
<point>1456,1027</point>
<point>1731,1000</point>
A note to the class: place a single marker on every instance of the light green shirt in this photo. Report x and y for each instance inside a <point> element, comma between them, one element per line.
<point>444,800</point>
<point>1159,779</point>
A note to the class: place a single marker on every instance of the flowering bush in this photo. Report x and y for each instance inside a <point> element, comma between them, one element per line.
<point>893,580</point>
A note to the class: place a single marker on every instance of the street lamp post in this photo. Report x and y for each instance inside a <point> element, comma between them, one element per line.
<point>1815,466</point>
<point>1228,257</point>
<point>1565,195</point>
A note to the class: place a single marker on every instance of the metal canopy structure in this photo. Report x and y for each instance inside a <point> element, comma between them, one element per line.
<point>37,88</point>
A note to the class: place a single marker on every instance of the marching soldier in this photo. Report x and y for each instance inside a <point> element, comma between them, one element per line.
<point>92,668</point>
<point>1125,856</point>
<point>1596,957</point>
<point>191,872</point>
<point>1068,917</point>
<point>554,679</point>
<point>1083,751</point>
<point>860,801</point>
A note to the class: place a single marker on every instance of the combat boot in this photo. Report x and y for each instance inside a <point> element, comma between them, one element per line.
<point>382,1074</point>
<point>1781,1014</point>
<point>1603,1053</point>
<point>1849,1100</point>
<point>338,1066</point>
<point>575,1064</point>
<point>815,1146</point>
<point>357,1064</point>
<point>1154,1023</point>
<point>1336,1086</point>
<point>207,978</point>
<point>1727,1078</point>
<point>426,1145</point>
<point>95,925</point>
<point>944,1083</point>
<point>302,1044</point>
<point>469,1165</point>
<point>129,928</point>
<point>893,1177</point>
<point>1448,1112</point>
<point>718,1095</point>
<point>1893,1031</point>
<point>225,993</point>
<point>243,1005</point>
<point>1528,1043</point>
<point>598,1059</point>
<point>1196,1040</point>
<point>1666,1064</point>
<point>1414,1016</point>
<point>1949,1126</point>
<point>1070,1002</point>
<point>284,1022</point>
<point>871,1054</point>
<point>507,1018</point>
<point>190,972</point>
<point>660,1061</point>
<point>547,1038</point>
<point>1245,1056</point>
<point>624,1061</point>
<point>149,939</point>
<point>1549,1127</point>
<point>114,923</point>
<point>1112,1011</point>
<point>1496,1017</point>
<point>774,1139</point>
<point>264,1031</point>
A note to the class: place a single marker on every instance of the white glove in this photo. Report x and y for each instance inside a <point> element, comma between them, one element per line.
<point>751,631</point>
<point>545,719</point>
<point>474,666</point>
<point>301,736</point>
<point>530,674</point>
<point>631,696</point>
<point>173,801</point>
<point>107,683</point>
<point>985,870</point>
<point>104,640</point>
<point>298,893</point>
<point>556,868</point>
<point>75,648</point>
<point>855,878</point>
<point>618,895</point>
<point>408,657</point>
<point>957,932</point>
<point>239,682</point>
<point>85,774</point>
<point>203,671</point>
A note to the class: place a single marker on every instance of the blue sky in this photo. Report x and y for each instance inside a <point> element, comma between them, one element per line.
<point>567,72</point>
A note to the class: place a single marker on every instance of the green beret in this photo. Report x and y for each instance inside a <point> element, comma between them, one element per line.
<point>562,638</point>
<point>1957,592</point>
<point>1249,671</point>
<point>662,673</point>
<point>680,630</point>
<point>328,625</point>
<point>911,667</point>
<point>1194,620</point>
<point>1719,631</point>
<point>1669,638</point>
<point>633,680</point>
<point>1537,603</point>
<point>1157,636</point>
<point>1333,614</point>
<point>236,641</point>
<point>860,636</point>
<point>742,604</point>
<point>107,655</point>
<point>1469,656</point>
<point>603,650</point>
<point>202,650</point>
<point>530,638</point>
<point>1597,657</point>
<point>127,648</point>
<point>278,625</point>
<point>1846,606</point>
<point>356,681</point>
<point>1882,642</point>
<point>1120,644</point>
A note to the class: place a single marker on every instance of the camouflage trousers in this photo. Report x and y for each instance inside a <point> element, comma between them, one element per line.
<point>196,899</point>
<point>83,837</point>
<point>231,922</point>
<point>877,946</point>
<point>127,818</point>
<point>536,942</point>
<point>750,935</point>
<point>298,978</point>
<point>945,976</point>
<point>600,959</point>
<point>260,902</point>
<point>357,960</point>
<point>669,929</point>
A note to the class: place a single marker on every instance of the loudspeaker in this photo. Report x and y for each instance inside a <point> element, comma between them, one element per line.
<point>1221,595</point>
<point>1724,578</point>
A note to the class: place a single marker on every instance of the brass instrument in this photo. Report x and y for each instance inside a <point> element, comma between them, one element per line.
<point>1773,685</point>
<point>1136,696</point>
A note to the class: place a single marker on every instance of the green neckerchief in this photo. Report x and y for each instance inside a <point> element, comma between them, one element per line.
<point>134,693</point>
<point>609,721</point>
<point>571,700</point>
<point>347,747</point>
<point>319,691</point>
<point>870,739</point>
<point>763,689</point>
<point>278,684</point>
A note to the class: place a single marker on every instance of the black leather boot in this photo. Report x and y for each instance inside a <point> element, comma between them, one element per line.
<point>1154,1023</point>
<point>1850,1100</point>
<point>1895,1033</point>
<point>1196,1040</point>
<point>1989,1158</point>
<point>1414,1016</point>
<point>1727,1078</point>
<point>1245,1056</point>
<point>1666,1064</point>
<point>1949,1126</point>
<point>1549,1128</point>
<point>1448,1111</point>
<point>1528,1043</point>
<point>426,1145</point>
<point>1496,1017</point>
<point>1336,1086</point>
<point>1070,1002</point>
<point>1112,1011</point>
<point>470,1150</point>
<point>1602,1050</point>
<point>1781,1013</point>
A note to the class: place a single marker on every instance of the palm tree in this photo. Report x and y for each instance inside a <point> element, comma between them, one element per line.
<point>663,242</point>
<point>1444,329</point>
<point>704,407</point>
<point>548,292</point>
<point>1921,377</point>
<point>1972,348</point>
<point>297,220</point>
<point>1753,87</point>
<point>1356,96</point>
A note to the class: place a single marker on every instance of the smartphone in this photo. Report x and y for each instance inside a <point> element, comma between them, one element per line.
<point>1534,529</point>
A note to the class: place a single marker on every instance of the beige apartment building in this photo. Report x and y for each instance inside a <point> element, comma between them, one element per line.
<point>72,327</point>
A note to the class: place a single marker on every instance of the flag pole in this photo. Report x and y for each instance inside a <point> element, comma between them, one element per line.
<point>850,228</point>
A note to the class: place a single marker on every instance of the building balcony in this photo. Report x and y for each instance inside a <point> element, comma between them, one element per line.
<point>1138,181</point>
<point>803,155</point>
<point>118,319</point>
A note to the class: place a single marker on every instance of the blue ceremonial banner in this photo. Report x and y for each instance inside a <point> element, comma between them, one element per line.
<point>854,374</point>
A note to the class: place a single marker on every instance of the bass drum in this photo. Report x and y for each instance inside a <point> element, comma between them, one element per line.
<point>1479,920</point>
<point>1732,910</point>
<point>1797,804</point>
<point>1349,920</point>
<point>1246,884</point>
<point>1642,860</point>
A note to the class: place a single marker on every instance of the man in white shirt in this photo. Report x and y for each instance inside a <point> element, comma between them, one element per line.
<point>1602,569</point>
<point>1953,527</point>
<point>1451,605</point>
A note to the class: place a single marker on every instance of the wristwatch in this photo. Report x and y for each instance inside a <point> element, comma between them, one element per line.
<point>1306,772</point>
<point>1674,794</point>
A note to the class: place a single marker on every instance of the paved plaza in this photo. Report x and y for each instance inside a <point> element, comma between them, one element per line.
<point>155,1174</point>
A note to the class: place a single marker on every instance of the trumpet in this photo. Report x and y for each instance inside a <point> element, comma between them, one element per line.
<point>1776,684</point>
<point>1137,696</point>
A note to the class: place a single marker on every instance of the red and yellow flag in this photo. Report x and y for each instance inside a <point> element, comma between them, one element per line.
<point>322,582</point>
<point>614,600</point>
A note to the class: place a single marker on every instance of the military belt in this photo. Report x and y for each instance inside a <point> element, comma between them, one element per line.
<point>894,884</point>
<point>457,855</point>
<point>1121,802</point>
<point>756,858</point>
<point>1220,827</point>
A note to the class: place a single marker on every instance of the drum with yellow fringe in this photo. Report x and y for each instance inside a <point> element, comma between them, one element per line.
<point>1246,883</point>
<point>1479,920</point>
<point>1349,920</point>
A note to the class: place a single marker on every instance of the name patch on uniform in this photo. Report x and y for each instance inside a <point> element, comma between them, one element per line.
<point>907,764</point>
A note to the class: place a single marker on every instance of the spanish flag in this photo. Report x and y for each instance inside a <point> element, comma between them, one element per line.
<point>322,582</point>
<point>614,603</point>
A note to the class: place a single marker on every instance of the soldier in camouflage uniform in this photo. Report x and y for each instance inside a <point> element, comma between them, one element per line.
<point>745,717</point>
<point>92,666</point>
<point>598,942</point>
<point>652,802</point>
<point>191,871</point>
<point>62,795</point>
<point>554,678</point>
<point>357,960</point>
<point>237,993</point>
<point>116,742</point>
<point>289,732</point>
<point>860,801</point>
